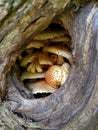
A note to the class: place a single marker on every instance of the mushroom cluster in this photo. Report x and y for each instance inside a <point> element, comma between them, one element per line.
<point>46,62</point>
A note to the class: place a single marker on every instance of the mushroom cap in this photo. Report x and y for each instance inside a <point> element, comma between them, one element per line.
<point>49,34</point>
<point>28,75</point>
<point>59,50</point>
<point>40,86</point>
<point>32,67</point>
<point>35,44</point>
<point>53,76</point>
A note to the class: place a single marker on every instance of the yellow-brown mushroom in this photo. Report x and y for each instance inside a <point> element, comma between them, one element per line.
<point>27,59</point>
<point>35,44</point>
<point>59,50</point>
<point>49,34</point>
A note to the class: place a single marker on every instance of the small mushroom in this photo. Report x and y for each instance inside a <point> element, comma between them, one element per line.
<point>32,67</point>
<point>40,87</point>
<point>27,59</point>
<point>28,75</point>
<point>38,67</point>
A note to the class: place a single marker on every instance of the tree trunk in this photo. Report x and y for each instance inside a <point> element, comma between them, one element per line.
<point>74,106</point>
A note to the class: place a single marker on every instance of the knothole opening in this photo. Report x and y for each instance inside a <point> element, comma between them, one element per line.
<point>46,62</point>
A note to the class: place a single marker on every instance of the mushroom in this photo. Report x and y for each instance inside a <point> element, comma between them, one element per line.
<point>28,75</point>
<point>27,59</point>
<point>32,67</point>
<point>35,44</point>
<point>53,76</point>
<point>56,75</point>
<point>38,67</point>
<point>40,87</point>
<point>59,50</point>
<point>49,34</point>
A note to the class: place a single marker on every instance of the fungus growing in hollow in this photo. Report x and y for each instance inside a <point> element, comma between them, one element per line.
<point>43,63</point>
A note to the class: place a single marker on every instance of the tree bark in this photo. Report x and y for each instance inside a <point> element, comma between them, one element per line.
<point>75,105</point>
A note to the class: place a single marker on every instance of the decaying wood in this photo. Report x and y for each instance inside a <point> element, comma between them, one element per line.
<point>74,105</point>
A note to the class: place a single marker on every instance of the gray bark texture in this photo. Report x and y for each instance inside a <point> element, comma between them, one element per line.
<point>74,106</point>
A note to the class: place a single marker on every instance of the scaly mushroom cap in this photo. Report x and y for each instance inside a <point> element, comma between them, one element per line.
<point>40,87</point>
<point>53,76</point>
